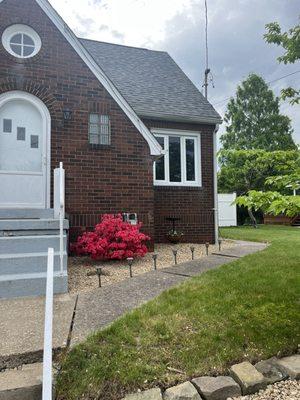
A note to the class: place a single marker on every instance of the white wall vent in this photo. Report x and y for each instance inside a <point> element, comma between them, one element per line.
<point>131,218</point>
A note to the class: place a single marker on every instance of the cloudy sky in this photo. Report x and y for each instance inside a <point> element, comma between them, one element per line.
<point>236,45</point>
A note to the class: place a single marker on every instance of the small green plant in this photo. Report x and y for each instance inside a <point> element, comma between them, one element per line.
<point>174,236</point>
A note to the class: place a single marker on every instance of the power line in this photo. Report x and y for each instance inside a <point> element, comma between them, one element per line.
<point>268,83</point>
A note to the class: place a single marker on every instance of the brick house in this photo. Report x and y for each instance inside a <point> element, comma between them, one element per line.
<point>133,132</point>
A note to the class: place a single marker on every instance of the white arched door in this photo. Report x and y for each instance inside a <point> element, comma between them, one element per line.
<point>24,151</point>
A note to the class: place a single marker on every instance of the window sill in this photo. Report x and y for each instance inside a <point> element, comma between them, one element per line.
<point>179,185</point>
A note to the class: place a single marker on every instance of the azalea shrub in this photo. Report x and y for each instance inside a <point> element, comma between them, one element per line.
<point>112,239</point>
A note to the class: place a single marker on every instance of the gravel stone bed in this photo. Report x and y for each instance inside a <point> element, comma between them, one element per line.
<point>285,390</point>
<point>116,271</point>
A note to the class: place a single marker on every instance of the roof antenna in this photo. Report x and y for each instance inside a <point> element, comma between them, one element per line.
<point>207,69</point>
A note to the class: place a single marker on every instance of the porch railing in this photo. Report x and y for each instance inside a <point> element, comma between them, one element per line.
<point>48,325</point>
<point>59,208</point>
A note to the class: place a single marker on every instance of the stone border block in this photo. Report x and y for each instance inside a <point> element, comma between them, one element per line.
<point>247,376</point>
<point>219,388</point>
<point>184,391</point>
<point>271,371</point>
<point>290,365</point>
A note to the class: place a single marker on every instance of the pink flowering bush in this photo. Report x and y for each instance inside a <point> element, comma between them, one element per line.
<point>112,239</point>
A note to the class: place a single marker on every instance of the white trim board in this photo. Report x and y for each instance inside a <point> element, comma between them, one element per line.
<point>154,146</point>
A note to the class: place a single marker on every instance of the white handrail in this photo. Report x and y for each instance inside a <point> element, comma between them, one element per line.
<point>61,215</point>
<point>47,358</point>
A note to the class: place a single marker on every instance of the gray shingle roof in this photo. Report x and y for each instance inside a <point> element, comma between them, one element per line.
<point>152,83</point>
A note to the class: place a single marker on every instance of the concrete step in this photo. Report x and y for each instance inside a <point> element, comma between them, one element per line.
<point>25,263</point>
<point>23,285</point>
<point>22,384</point>
<point>19,225</point>
<point>29,213</point>
<point>29,244</point>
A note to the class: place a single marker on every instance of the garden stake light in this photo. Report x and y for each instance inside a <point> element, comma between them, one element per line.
<point>192,250</point>
<point>207,246</point>
<point>99,273</point>
<point>155,261</point>
<point>175,255</point>
<point>130,261</point>
<point>220,243</point>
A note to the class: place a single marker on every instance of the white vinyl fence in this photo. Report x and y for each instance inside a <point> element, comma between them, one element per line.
<point>227,210</point>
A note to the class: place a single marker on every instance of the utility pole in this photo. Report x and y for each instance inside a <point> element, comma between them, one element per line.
<point>207,69</point>
<point>206,73</point>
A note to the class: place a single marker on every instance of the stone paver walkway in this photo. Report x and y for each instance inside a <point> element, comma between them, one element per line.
<point>21,324</point>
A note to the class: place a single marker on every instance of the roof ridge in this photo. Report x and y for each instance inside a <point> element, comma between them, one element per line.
<point>121,45</point>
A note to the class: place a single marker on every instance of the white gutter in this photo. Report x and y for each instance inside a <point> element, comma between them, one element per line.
<point>216,213</point>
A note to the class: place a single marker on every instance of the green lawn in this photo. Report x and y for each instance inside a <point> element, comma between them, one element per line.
<point>248,309</point>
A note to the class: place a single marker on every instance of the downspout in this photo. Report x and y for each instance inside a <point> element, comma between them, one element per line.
<point>216,213</point>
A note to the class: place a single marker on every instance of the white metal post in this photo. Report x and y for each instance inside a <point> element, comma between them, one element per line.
<point>47,359</point>
<point>61,215</point>
<point>215,155</point>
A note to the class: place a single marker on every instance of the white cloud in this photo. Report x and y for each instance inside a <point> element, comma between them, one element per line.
<point>140,22</point>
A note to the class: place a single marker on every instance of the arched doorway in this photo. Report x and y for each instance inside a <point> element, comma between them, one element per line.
<point>24,151</point>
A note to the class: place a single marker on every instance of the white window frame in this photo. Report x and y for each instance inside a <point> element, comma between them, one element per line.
<point>164,133</point>
<point>12,30</point>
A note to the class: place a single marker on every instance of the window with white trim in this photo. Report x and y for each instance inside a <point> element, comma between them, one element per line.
<point>181,163</point>
<point>21,41</point>
<point>99,129</point>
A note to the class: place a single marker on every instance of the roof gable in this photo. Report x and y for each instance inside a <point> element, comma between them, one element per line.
<point>155,148</point>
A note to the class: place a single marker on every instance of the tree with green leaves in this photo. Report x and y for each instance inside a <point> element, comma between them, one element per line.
<point>254,120</point>
<point>273,203</point>
<point>244,170</point>
<point>290,42</point>
<point>282,182</point>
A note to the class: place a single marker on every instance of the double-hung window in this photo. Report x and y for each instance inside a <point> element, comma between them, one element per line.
<point>181,163</point>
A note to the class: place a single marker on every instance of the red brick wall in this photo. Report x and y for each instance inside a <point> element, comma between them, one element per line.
<point>103,180</point>
<point>194,206</point>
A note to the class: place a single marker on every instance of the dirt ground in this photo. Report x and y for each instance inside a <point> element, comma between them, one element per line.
<point>116,271</point>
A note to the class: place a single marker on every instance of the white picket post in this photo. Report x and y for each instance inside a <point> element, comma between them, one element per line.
<point>61,215</point>
<point>47,358</point>
<point>59,208</point>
